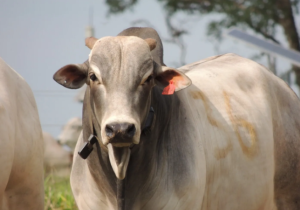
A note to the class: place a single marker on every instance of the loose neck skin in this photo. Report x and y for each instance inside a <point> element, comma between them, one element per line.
<point>149,159</point>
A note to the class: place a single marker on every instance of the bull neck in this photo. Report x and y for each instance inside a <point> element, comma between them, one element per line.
<point>145,158</point>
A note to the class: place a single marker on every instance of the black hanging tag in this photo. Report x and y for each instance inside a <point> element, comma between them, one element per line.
<point>88,147</point>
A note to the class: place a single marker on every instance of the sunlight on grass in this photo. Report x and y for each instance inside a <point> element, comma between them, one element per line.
<point>58,194</point>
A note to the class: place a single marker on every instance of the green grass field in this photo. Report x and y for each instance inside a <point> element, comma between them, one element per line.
<point>58,194</point>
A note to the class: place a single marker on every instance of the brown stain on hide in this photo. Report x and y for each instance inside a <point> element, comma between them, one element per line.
<point>242,123</point>
<point>237,123</point>
<point>219,153</point>
<point>200,95</point>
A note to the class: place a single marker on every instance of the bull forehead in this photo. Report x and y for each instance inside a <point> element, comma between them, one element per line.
<point>122,59</point>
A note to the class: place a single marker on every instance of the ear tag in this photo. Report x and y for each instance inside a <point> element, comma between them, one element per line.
<point>170,89</point>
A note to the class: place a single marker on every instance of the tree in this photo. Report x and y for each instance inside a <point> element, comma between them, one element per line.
<point>261,16</point>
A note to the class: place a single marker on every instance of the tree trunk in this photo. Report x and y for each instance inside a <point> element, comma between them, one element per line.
<point>287,22</point>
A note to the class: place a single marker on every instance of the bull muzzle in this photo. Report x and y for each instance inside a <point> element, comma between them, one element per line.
<point>120,133</point>
<point>119,136</point>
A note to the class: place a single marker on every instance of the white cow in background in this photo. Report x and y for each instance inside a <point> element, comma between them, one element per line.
<point>70,132</point>
<point>57,160</point>
<point>21,151</point>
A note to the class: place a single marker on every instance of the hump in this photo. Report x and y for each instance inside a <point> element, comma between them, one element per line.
<point>144,33</point>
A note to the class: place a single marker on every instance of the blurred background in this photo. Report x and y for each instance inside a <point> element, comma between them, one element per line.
<point>38,37</point>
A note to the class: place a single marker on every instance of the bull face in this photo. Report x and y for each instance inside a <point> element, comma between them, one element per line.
<point>120,76</point>
<point>120,80</point>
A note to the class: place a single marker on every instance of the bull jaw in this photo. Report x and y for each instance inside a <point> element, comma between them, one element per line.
<point>119,159</point>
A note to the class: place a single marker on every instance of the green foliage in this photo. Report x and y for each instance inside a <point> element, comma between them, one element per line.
<point>262,16</point>
<point>58,194</point>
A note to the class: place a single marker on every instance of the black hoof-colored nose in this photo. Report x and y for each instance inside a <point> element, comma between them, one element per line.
<point>125,130</point>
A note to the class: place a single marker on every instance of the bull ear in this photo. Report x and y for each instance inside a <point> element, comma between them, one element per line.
<point>72,76</point>
<point>172,80</point>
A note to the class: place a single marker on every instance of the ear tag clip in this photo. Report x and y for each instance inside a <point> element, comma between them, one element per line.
<point>170,89</point>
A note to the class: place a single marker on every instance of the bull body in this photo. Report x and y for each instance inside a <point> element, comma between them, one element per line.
<point>21,156</point>
<point>228,141</point>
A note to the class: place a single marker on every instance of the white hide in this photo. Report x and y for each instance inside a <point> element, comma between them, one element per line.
<point>232,104</point>
<point>70,132</point>
<point>57,160</point>
<point>21,155</point>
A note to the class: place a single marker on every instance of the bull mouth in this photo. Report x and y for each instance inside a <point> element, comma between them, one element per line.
<point>119,155</point>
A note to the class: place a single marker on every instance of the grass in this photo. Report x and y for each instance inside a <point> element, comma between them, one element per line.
<point>58,194</point>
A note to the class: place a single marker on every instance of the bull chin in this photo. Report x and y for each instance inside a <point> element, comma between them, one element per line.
<point>119,159</point>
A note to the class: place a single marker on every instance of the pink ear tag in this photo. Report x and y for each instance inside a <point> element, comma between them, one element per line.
<point>170,89</point>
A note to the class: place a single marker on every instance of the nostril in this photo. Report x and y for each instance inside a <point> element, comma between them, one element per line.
<point>109,130</point>
<point>131,130</point>
<point>120,130</point>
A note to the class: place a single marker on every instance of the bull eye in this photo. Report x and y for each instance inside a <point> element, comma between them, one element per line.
<point>149,79</point>
<point>93,77</point>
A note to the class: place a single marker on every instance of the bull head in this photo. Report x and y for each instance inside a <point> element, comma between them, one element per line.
<point>120,74</point>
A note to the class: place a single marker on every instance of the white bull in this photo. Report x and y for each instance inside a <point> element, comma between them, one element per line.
<point>57,160</point>
<point>21,155</point>
<point>229,141</point>
<point>70,132</point>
